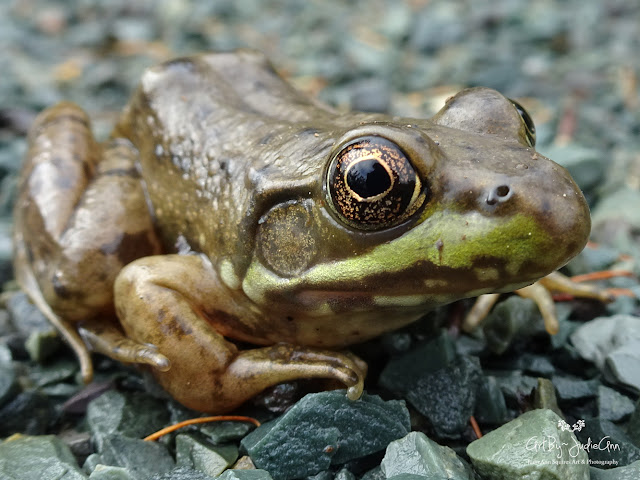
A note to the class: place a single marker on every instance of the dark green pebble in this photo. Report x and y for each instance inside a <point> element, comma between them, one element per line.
<point>325,429</point>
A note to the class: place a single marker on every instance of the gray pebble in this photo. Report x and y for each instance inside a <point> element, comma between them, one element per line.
<point>613,405</point>
<point>416,454</point>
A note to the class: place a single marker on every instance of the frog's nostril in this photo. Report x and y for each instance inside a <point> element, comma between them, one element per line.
<point>499,194</point>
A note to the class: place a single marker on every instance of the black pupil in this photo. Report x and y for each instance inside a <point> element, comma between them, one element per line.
<point>368,178</point>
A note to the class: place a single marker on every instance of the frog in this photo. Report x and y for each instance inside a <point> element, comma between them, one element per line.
<point>233,234</point>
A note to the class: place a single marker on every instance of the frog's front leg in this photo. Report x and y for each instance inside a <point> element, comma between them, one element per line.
<point>178,304</point>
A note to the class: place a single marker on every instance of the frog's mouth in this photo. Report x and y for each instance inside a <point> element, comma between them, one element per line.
<point>327,301</point>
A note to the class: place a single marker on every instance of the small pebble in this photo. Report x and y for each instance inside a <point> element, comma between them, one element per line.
<point>447,397</point>
<point>545,397</point>
<point>417,454</point>
<point>142,459</point>
<point>29,412</point>
<point>572,388</point>
<point>196,452</point>
<point>490,405</point>
<point>612,405</point>
<point>132,415</point>
<point>43,457</point>
<point>613,344</point>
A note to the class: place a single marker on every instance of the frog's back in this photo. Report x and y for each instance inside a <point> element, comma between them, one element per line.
<point>209,126</point>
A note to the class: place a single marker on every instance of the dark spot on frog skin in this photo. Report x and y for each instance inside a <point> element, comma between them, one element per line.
<point>174,328</point>
<point>87,170</point>
<point>59,288</point>
<point>102,276</point>
<point>127,246</point>
<point>215,380</point>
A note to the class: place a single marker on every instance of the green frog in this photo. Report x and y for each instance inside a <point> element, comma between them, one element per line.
<point>233,234</point>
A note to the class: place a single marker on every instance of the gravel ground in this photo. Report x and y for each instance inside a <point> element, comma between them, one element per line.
<point>574,64</point>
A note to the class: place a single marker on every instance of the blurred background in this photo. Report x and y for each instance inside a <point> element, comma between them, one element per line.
<point>574,64</point>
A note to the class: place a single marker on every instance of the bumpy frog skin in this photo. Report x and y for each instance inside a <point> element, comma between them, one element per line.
<point>229,207</point>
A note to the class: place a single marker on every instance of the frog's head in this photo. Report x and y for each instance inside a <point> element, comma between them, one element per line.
<point>413,214</point>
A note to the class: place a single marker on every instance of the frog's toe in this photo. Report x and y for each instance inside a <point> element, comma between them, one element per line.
<point>479,311</point>
<point>536,292</point>
<point>354,392</point>
<point>106,338</point>
<point>148,354</point>
<point>359,366</point>
<point>558,282</point>
<point>539,294</point>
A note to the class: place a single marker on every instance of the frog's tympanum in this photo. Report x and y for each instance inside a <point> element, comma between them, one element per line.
<point>228,209</point>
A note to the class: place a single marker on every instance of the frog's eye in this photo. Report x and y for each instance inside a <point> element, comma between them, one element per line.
<point>372,183</point>
<point>530,128</point>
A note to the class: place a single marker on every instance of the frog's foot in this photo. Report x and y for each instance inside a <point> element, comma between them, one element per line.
<point>558,282</point>
<point>178,304</point>
<point>252,371</point>
<point>539,292</point>
<point>106,338</point>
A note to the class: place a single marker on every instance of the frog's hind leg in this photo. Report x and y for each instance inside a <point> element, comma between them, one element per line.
<point>26,279</point>
<point>179,304</point>
<point>80,216</point>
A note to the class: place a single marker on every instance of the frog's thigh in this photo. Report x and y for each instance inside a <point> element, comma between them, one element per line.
<point>81,214</point>
<point>160,300</point>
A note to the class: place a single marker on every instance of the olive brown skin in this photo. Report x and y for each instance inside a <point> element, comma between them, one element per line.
<point>227,206</point>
